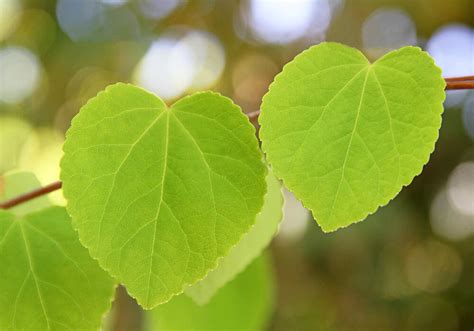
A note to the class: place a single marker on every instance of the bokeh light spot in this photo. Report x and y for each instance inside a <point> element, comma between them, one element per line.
<point>432,266</point>
<point>281,22</point>
<point>20,74</point>
<point>174,64</point>
<point>209,57</point>
<point>10,13</point>
<point>461,188</point>
<point>157,9</point>
<point>165,71</point>
<point>97,21</point>
<point>452,47</point>
<point>114,3</point>
<point>387,29</point>
<point>447,222</point>
<point>36,32</point>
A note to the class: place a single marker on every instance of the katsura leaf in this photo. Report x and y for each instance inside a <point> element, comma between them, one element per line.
<point>346,135</point>
<point>248,248</point>
<point>48,281</point>
<point>159,194</point>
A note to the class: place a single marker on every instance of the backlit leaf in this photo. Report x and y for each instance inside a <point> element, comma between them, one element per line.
<point>159,194</point>
<point>346,135</point>
<point>48,281</point>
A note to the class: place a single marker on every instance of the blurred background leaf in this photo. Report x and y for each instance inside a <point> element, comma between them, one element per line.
<point>245,303</point>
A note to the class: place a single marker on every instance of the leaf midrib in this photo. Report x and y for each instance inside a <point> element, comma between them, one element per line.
<point>165,166</point>
<point>132,146</point>
<point>349,145</point>
<point>311,128</point>
<point>33,273</point>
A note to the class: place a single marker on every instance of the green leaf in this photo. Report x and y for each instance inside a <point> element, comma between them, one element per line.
<point>15,183</point>
<point>48,280</point>
<point>248,248</point>
<point>245,303</point>
<point>346,135</point>
<point>159,194</point>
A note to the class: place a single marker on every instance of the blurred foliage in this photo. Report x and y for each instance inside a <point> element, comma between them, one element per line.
<point>397,270</point>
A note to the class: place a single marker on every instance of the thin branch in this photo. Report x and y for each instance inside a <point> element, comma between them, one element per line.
<point>31,195</point>
<point>452,83</point>
<point>460,85</point>
<point>459,79</point>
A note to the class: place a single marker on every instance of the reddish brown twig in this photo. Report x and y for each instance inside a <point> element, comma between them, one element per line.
<point>459,79</point>
<point>31,195</point>
<point>460,83</point>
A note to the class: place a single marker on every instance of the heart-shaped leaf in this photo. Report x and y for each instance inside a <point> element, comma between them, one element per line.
<point>346,135</point>
<point>48,281</point>
<point>159,194</point>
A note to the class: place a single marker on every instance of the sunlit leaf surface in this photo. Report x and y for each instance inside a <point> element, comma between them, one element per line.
<point>48,281</point>
<point>159,194</point>
<point>346,135</point>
